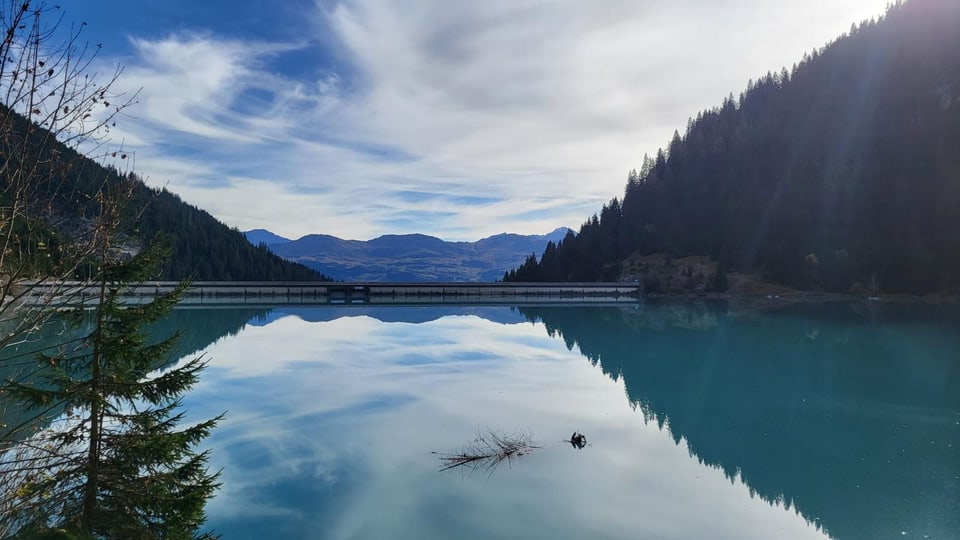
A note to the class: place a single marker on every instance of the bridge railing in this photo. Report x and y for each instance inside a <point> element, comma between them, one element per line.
<point>81,292</point>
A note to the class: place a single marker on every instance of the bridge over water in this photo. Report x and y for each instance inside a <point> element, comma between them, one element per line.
<point>348,292</point>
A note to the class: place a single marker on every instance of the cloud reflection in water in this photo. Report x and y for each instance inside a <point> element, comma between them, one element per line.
<point>331,424</point>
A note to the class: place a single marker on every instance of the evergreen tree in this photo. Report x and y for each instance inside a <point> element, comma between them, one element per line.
<point>119,464</point>
<point>114,462</point>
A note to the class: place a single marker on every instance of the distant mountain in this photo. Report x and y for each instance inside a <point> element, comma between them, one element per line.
<point>840,174</point>
<point>206,249</point>
<point>411,257</point>
<point>263,236</point>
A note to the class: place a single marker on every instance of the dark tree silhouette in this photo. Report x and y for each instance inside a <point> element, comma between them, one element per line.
<point>838,174</point>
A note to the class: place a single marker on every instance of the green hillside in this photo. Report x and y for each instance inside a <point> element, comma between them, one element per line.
<point>841,173</point>
<point>64,203</point>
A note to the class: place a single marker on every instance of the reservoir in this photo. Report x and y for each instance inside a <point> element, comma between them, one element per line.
<point>700,419</point>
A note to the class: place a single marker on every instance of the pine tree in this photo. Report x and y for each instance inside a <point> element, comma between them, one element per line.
<point>113,461</point>
<point>118,464</point>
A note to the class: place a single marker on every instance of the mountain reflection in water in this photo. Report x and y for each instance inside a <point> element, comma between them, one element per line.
<point>846,415</point>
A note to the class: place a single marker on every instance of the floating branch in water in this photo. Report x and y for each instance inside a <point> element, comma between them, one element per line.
<point>489,450</point>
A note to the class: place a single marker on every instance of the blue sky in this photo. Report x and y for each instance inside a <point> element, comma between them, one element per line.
<point>458,119</point>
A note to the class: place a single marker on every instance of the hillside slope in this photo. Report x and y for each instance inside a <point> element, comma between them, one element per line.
<point>202,247</point>
<point>840,174</point>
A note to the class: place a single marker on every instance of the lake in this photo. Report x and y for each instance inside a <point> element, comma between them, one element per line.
<point>701,420</point>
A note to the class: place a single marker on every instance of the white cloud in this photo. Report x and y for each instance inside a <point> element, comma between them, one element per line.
<point>542,106</point>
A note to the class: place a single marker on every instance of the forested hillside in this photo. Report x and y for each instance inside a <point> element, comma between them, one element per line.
<point>206,249</point>
<point>66,203</point>
<point>841,173</point>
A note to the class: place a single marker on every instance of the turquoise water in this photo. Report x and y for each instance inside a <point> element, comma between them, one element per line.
<point>703,421</point>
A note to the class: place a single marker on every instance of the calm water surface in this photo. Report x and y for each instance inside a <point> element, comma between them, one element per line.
<point>703,421</point>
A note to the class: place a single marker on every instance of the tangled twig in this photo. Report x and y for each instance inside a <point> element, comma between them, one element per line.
<point>489,450</point>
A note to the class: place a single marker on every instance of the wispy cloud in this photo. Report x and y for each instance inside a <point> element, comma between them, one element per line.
<point>517,115</point>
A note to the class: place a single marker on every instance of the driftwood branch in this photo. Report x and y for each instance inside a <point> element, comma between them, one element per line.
<point>488,451</point>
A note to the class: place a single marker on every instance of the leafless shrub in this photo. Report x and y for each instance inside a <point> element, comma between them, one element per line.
<point>55,117</point>
<point>36,476</point>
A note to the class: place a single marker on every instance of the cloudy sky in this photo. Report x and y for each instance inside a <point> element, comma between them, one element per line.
<point>459,119</point>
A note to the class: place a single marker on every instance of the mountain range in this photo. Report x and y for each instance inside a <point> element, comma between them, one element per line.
<point>407,257</point>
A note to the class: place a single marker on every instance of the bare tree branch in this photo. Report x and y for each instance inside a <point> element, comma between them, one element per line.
<point>488,451</point>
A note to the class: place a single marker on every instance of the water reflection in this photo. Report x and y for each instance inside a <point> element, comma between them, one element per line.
<point>116,460</point>
<point>705,421</point>
<point>849,415</point>
<point>18,361</point>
